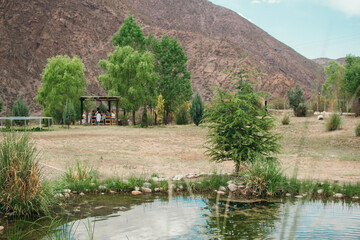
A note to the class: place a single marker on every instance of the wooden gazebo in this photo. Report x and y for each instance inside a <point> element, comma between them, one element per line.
<point>102,99</point>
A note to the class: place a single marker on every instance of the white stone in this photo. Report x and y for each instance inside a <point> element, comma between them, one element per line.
<point>156,189</point>
<point>222,188</point>
<point>102,187</point>
<point>137,188</point>
<point>58,195</point>
<point>147,185</point>
<point>320,191</point>
<point>145,190</point>
<point>67,191</point>
<point>304,194</point>
<point>299,196</point>
<point>155,179</point>
<point>92,184</point>
<point>1,228</point>
<point>178,178</point>
<point>82,194</point>
<point>136,192</point>
<point>355,197</point>
<point>320,117</point>
<point>112,192</point>
<point>232,187</point>
<point>66,195</point>
<point>288,194</point>
<point>221,192</point>
<point>102,193</point>
<point>338,195</point>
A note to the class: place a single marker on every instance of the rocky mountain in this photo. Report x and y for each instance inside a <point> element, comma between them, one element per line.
<point>325,61</point>
<point>214,38</point>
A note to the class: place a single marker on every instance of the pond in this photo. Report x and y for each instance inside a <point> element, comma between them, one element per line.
<point>205,217</point>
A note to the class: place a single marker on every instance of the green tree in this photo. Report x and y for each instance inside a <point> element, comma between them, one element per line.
<point>129,74</point>
<point>239,127</point>
<point>63,78</point>
<point>1,106</point>
<point>171,66</point>
<point>20,109</point>
<point>297,101</point>
<point>69,113</point>
<point>352,76</point>
<point>129,34</point>
<point>333,87</point>
<point>197,109</point>
<point>160,109</point>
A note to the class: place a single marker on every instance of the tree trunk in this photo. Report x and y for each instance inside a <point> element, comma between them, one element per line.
<point>237,169</point>
<point>155,122</point>
<point>165,117</point>
<point>134,118</point>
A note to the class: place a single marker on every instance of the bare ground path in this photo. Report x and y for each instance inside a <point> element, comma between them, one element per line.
<point>171,150</point>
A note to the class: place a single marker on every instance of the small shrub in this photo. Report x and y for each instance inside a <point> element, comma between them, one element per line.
<point>21,191</point>
<point>197,109</point>
<point>124,120</point>
<point>357,130</point>
<point>333,123</point>
<point>285,120</point>
<point>182,115</point>
<point>144,118</point>
<point>263,176</point>
<point>300,111</point>
<point>69,113</point>
<point>1,106</point>
<point>20,109</point>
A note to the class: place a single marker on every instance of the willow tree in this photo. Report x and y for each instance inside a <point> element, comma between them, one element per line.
<point>63,78</point>
<point>239,127</point>
<point>130,75</point>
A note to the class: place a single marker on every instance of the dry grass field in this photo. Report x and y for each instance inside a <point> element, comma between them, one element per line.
<point>307,150</point>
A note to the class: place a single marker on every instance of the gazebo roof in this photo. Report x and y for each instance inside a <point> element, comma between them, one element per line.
<point>100,98</point>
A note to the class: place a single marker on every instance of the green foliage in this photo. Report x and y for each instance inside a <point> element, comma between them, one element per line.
<point>171,66</point>
<point>263,176</point>
<point>1,106</point>
<point>239,129</point>
<point>160,109</point>
<point>130,75</point>
<point>21,191</point>
<point>357,130</point>
<point>352,76</point>
<point>129,34</point>
<point>297,100</point>
<point>285,119</point>
<point>69,113</point>
<point>333,87</point>
<point>333,122</point>
<point>279,103</point>
<point>63,78</point>
<point>80,172</point>
<point>101,108</point>
<point>20,109</point>
<point>144,119</point>
<point>182,114</point>
<point>197,109</point>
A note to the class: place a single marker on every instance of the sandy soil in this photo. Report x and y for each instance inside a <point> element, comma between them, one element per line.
<point>308,150</point>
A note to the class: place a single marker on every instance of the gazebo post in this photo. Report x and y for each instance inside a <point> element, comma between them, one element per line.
<point>109,105</point>
<point>82,109</point>
<point>117,112</point>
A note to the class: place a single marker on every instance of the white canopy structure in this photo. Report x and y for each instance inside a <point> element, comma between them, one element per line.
<point>26,119</point>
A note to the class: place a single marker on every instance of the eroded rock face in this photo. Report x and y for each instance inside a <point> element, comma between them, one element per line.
<point>214,38</point>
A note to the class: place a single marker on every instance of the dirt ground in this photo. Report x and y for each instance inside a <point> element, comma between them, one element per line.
<point>307,150</point>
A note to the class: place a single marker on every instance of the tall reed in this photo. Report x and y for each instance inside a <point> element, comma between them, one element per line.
<point>21,190</point>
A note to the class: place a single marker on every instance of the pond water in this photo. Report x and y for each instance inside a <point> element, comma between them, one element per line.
<point>204,217</point>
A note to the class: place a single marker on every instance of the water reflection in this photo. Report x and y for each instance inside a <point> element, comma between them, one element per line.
<point>182,217</point>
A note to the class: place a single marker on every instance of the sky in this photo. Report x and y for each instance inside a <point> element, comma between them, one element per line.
<point>313,28</point>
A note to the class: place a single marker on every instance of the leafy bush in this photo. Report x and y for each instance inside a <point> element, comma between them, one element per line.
<point>69,113</point>
<point>279,103</point>
<point>297,101</point>
<point>300,111</point>
<point>144,118</point>
<point>263,176</point>
<point>285,120</point>
<point>197,109</point>
<point>160,109</point>
<point>1,105</point>
<point>333,123</point>
<point>357,130</point>
<point>20,109</point>
<point>21,191</point>
<point>124,120</point>
<point>182,115</point>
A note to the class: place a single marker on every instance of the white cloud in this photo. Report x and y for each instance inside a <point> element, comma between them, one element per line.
<point>349,7</point>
